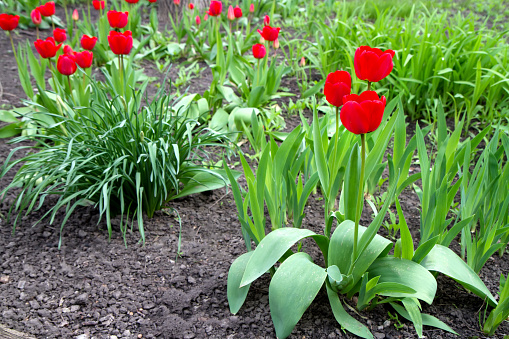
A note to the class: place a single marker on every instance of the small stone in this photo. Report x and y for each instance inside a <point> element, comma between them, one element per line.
<point>191,280</point>
<point>113,337</point>
<point>34,304</point>
<point>209,328</point>
<point>8,314</point>
<point>189,335</point>
<point>34,322</point>
<point>83,336</point>
<point>66,310</point>
<point>21,284</point>
<point>82,234</point>
<point>81,299</point>
<point>140,336</point>
<point>75,308</point>
<point>387,323</point>
<point>379,335</point>
<point>148,305</point>
<point>380,328</point>
<point>126,333</point>
<point>4,279</point>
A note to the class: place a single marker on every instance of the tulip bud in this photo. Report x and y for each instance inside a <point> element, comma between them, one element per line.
<point>176,2</point>
<point>262,40</point>
<point>238,12</point>
<point>266,20</point>
<point>191,6</point>
<point>251,8</point>
<point>68,50</point>
<point>198,20</point>
<point>276,44</point>
<point>66,64</point>
<point>36,17</point>
<point>206,16</point>
<point>59,35</point>
<point>231,14</point>
<point>75,15</point>
<point>302,62</point>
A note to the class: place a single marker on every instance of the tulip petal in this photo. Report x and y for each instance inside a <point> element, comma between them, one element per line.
<point>375,112</point>
<point>354,118</point>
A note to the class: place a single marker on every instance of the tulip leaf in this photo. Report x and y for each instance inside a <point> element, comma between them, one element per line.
<point>344,319</point>
<point>273,247</point>
<point>442,259</point>
<point>205,181</point>
<point>408,273</point>
<point>341,248</point>
<point>237,295</point>
<point>427,320</point>
<point>292,289</point>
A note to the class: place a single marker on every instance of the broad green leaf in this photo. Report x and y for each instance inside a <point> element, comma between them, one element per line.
<point>408,273</point>
<point>10,130</point>
<point>205,181</point>
<point>442,259</point>
<point>292,289</point>
<point>341,248</point>
<point>237,295</point>
<point>344,319</point>
<point>352,178</point>
<point>413,308</point>
<point>427,320</point>
<point>219,121</point>
<point>407,245</point>
<point>272,248</point>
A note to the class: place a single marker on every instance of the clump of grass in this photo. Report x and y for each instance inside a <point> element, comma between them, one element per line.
<point>123,158</point>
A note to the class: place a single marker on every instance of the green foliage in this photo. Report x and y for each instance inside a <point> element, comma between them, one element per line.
<point>126,162</point>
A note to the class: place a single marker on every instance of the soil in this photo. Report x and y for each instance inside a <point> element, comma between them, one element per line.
<point>95,287</point>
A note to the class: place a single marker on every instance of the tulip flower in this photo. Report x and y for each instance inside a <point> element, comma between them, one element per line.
<point>216,7</point>
<point>36,17</point>
<point>275,43</point>
<point>8,22</point>
<point>46,48</point>
<point>48,9</point>
<point>132,1</point>
<point>68,50</point>
<point>363,113</point>
<point>75,15</point>
<point>259,51</point>
<point>251,8</point>
<point>59,35</point>
<point>117,19</point>
<point>152,1</point>
<point>337,85</point>
<point>198,20</point>
<point>66,64</point>
<point>373,64</point>
<point>88,42</point>
<point>191,6</point>
<point>238,12</point>
<point>120,43</point>
<point>176,2</point>
<point>84,59</point>
<point>231,14</point>
<point>302,62</point>
<point>269,33</point>
<point>266,20</point>
<point>206,17</point>
<point>98,5</point>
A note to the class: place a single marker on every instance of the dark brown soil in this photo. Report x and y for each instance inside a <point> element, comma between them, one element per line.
<point>95,287</point>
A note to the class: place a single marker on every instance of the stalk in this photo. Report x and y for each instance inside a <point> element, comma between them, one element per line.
<point>337,122</point>
<point>359,197</point>
<point>12,44</point>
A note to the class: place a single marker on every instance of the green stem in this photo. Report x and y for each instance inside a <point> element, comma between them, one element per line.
<point>121,68</point>
<point>257,73</point>
<point>359,197</point>
<point>12,44</point>
<point>369,85</point>
<point>88,9</point>
<point>272,12</point>
<point>337,122</point>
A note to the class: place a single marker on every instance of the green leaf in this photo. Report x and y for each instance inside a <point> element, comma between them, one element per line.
<point>205,181</point>
<point>10,130</point>
<point>272,248</point>
<point>352,178</point>
<point>292,289</point>
<point>341,248</point>
<point>236,294</point>
<point>427,320</point>
<point>313,90</point>
<point>407,245</point>
<point>408,273</point>
<point>413,308</point>
<point>442,259</point>
<point>344,319</point>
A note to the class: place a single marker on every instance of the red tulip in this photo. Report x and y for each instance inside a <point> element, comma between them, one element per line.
<point>337,85</point>
<point>36,17</point>
<point>176,2</point>
<point>231,14</point>
<point>48,9</point>
<point>191,6</point>
<point>205,17</point>
<point>372,64</point>
<point>269,33</point>
<point>8,22</point>
<point>75,15</point>
<point>152,1</point>
<point>98,4</point>
<point>216,7</point>
<point>198,20</point>
<point>131,1</point>
<point>266,20</point>
<point>117,19</point>
<point>59,35</point>
<point>68,50</point>
<point>362,113</point>
<point>238,12</point>
<point>66,64</point>
<point>88,42</point>
<point>259,51</point>
<point>46,48</point>
<point>84,59</point>
<point>120,44</point>
<point>251,8</point>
